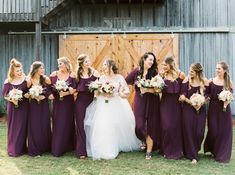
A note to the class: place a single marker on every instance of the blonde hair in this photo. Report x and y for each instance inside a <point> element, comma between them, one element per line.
<point>14,63</point>
<point>198,69</point>
<point>67,63</point>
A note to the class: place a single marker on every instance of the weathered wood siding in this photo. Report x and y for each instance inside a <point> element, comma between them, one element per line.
<point>25,10</point>
<point>197,46</point>
<point>173,13</point>
<point>22,48</point>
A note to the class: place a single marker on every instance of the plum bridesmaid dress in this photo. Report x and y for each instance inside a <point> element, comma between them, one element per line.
<point>193,123</point>
<point>84,98</point>
<point>39,126</point>
<point>17,119</point>
<point>146,111</point>
<point>220,134</point>
<point>63,128</point>
<point>170,120</point>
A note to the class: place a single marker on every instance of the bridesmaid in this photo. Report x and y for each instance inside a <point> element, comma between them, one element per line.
<point>63,135</point>
<point>146,105</point>
<point>17,117</point>
<point>39,124</point>
<point>170,120</point>
<point>85,75</point>
<point>219,137</point>
<point>193,117</point>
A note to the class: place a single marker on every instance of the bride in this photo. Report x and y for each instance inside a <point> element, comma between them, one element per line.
<point>109,123</point>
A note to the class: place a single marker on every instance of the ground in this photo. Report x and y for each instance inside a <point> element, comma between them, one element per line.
<point>126,163</point>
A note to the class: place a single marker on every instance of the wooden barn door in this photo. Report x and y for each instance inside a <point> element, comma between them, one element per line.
<point>124,49</point>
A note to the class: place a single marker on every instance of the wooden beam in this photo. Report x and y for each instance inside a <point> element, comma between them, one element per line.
<point>38,31</point>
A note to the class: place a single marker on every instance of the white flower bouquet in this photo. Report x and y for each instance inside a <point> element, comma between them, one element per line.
<point>227,97</point>
<point>103,88</point>
<point>157,83</point>
<point>197,100</point>
<point>15,95</point>
<point>35,91</point>
<point>95,85</point>
<point>141,82</point>
<point>61,85</point>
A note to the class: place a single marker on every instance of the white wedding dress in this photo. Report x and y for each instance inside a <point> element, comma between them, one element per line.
<point>110,126</point>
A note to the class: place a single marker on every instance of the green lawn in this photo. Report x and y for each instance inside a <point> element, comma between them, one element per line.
<point>126,163</point>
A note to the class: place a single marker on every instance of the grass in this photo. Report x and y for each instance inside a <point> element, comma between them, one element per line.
<point>126,163</point>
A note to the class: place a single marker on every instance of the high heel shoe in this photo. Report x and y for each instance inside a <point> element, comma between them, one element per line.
<point>148,155</point>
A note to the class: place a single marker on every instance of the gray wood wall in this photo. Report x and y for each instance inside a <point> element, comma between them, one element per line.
<point>22,48</point>
<point>177,13</point>
<point>204,47</point>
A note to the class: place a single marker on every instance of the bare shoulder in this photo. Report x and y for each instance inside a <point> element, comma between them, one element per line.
<point>73,75</point>
<point>96,73</point>
<point>53,74</point>
<point>102,76</point>
<point>28,78</point>
<point>6,81</point>
<point>47,80</point>
<point>182,75</point>
<point>120,76</point>
<point>185,80</point>
<point>207,82</point>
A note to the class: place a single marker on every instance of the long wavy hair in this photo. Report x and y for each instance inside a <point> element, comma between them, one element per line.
<point>152,71</point>
<point>112,66</point>
<point>14,63</point>
<point>67,63</point>
<point>34,69</point>
<point>198,69</point>
<point>173,69</point>
<point>80,61</point>
<point>227,81</point>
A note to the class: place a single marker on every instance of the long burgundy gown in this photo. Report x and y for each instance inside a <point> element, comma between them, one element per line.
<point>193,123</point>
<point>146,111</point>
<point>83,100</point>
<point>39,126</point>
<point>220,134</point>
<point>63,129</point>
<point>170,120</point>
<point>17,119</point>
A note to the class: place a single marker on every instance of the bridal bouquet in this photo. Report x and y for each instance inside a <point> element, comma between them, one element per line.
<point>197,100</point>
<point>15,95</point>
<point>107,88</point>
<point>35,91</point>
<point>104,88</point>
<point>61,85</point>
<point>225,96</point>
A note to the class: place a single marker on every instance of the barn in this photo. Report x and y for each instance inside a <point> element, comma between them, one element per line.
<point>189,30</point>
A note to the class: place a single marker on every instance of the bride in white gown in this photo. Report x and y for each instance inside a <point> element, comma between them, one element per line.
<point>110,126</point>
